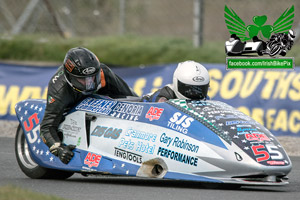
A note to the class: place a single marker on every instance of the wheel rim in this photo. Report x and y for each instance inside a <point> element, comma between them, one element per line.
<point>23,152</point>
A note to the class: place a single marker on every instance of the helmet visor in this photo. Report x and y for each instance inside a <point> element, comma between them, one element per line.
<point>194,92</point>
<point>87,83</point>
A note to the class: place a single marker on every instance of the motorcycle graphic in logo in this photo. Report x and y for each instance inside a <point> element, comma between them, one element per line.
<point>279,37</point>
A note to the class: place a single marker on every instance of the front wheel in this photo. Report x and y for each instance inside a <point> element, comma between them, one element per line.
<point>29,166</point>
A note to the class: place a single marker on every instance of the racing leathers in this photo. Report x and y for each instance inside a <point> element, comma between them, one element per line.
<point>162,95</point>
<point>61,97</point>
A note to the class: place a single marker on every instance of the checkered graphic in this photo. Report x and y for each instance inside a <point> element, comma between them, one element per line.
<point>198,114</point>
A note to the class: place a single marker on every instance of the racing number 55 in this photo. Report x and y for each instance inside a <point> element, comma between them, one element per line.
<point>264,155</point>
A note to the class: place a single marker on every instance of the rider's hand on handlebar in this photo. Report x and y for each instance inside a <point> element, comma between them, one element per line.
<point>64,153</point>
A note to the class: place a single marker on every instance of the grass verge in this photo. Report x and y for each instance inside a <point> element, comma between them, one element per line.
<point>14,193</point>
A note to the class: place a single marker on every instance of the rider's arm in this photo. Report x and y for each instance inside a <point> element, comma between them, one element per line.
<point>162,99</point>
<point>161,95</point>
<point>52,117</point>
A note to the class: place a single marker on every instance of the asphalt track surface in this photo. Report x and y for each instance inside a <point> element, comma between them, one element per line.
<point>79,187</point>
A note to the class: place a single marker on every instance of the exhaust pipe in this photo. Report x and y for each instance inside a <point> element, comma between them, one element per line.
<point>154,168</point>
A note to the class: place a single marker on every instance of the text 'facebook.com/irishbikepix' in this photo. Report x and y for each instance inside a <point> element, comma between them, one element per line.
<point>259,45</point>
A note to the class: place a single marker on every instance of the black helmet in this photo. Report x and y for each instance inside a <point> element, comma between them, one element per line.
<point>82,70</point>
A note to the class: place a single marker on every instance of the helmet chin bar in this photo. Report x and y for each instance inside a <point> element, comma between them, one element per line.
<point>179,95</point>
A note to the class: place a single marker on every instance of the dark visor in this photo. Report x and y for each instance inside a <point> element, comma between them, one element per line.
<point>193,91</point>
<point>88,83</point>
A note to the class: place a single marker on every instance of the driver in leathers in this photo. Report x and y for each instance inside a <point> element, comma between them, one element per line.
<point>80,75</point>
<point>190,81</point>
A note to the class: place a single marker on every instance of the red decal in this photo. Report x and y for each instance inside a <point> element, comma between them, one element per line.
<point>50,99</point>
<point>154,113</point>
<point>31,118</point>
<point>273,162</point>
<point>264,154</point>
<point>92,160</point>
<point>69,65</point>
<point>256,137</point>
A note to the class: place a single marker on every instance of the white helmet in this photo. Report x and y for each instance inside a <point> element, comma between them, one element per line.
<point>190,80</point>
<point>291,34</point>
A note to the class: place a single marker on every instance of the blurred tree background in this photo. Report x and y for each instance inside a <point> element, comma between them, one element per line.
<point>129,32</point>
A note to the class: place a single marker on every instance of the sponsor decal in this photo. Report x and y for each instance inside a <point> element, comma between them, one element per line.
<point>107,132</point>
<point>141,135</point>
<point>140,146</point>
<point>179,157</point>
<point>50,99</point>
<point>69,65</point>
<point>243,129</point>
<point>127,111</point>
<point>145,147</point>
<point>230,123</point>
<point>88,70</point>
<point>233,116</point>
<point>98,106</point>
<point>126,144</point>
<point>128,155</point>
<point>71,129</point>
<point>211,112</point>
<point>257,137</point>
<point>154,113</point>
<point>54,79</point>
<point>178,143</point>
<point>180,122</point>
<point>92,160</point>
<point>274,162</point>
<point>139,141</point>
<point>198,79</point>
<point>225,117</point>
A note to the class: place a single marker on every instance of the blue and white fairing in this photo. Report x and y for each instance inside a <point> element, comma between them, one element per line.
<point>205,141</point>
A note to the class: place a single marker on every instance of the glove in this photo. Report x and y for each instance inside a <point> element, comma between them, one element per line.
<point>64,153</point>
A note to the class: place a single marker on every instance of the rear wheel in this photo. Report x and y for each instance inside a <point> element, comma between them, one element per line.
<point>29,166</point>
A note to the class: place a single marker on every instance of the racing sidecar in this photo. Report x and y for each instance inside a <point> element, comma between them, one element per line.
<point>205,141</point>
<point>235,47</point>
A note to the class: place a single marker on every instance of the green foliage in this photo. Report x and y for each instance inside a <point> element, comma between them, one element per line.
<point>14,193</point>
<point>129,50</point>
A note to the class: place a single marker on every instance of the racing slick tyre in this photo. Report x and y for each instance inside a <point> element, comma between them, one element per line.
<point>29,166</point>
